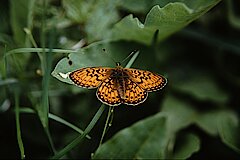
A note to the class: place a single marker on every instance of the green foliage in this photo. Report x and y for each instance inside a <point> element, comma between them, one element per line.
<point>229,131</point>
<point>196,115</point>
<point>149,138</point>
<point>197,85</point>
<point>167,20</point>
<point>20,18</point>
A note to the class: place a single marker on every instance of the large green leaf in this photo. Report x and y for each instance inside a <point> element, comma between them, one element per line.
<point>180,114</point>
<point>155,136</point>
<point>209,121</point>
<point>145,139</point>
<point>146,5</point>
<point>229,129</point>
<point>77,10</point>
<point>97,16</point>
<point>101,20</point>
<point>167,20</point>
<point>198,84</point>
<point>189,144</point>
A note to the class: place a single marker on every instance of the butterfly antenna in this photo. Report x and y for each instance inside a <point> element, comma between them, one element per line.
<point>133,52</point>
<point>108,55</point>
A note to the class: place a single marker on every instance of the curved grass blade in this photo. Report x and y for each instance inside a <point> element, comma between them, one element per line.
<point>132,60</point>
<point>77,140</point>
<point>36,50</point>
<point>110,112</point>
<point>58,119</point>
<point>18,128</point>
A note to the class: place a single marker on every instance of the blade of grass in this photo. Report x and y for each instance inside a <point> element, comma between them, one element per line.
<point>32,40</point>
<point>36,50</point>
<point>50,140</point>
<point>60,120</point>
<point>131,61</point>
<point>56,118</point>
<point>8,81</point>
<point>233,19</point>
<point>4,73</point>
<point>106,124</point>
<point>19,137</point>
<point>45,95</point>
<point>43,109</point>
<point>79,139</point>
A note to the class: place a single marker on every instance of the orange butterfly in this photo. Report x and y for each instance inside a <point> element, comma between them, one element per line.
<point>118,85</point>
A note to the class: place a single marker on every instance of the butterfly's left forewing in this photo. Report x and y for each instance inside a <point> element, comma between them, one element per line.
<point>90,77</point>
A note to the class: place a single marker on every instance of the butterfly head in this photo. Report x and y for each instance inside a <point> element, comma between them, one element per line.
<point>118,64</point>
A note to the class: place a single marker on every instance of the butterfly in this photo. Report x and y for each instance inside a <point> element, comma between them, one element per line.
<point>118,85</point>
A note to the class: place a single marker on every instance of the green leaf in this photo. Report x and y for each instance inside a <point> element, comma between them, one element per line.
<point>180,114</point>
<point>145,139</point>
<point>154,137</point>
<point>77,10</point>
<point>146,5</point>
<point>103,16</point>
<point>189,144</point>
<point>201,86</point>
<point>167,20</point>
<point>209,121</point>
<point>229,130</point>
<point>97,16</point>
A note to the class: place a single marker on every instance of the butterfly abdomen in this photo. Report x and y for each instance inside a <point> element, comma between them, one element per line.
<point>121,87</point>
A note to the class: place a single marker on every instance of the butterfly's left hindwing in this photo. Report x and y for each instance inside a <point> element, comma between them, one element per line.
<point>108,93</point>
